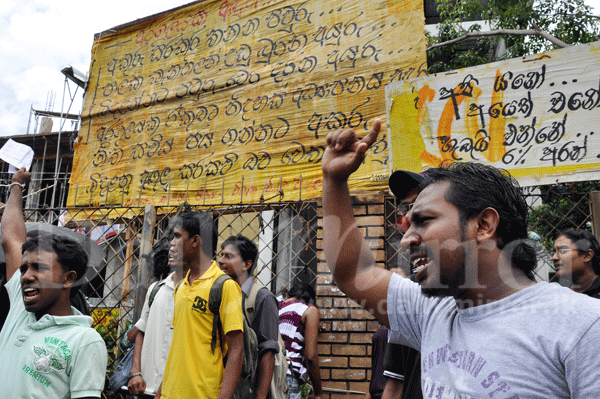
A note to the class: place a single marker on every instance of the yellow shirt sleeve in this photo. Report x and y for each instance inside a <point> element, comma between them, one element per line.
<point>232,318</point>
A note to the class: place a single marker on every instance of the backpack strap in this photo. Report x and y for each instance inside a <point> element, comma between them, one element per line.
<point>178,284</point>
<point>154,292</point>
<point>79,302</point>
<point>214,304</point>
<point>250,302</point>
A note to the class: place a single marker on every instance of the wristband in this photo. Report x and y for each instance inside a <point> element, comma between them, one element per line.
<point>135,375</point>
<point>22,185</point>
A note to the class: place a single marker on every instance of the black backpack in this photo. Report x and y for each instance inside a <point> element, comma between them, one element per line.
<point>245,386</point>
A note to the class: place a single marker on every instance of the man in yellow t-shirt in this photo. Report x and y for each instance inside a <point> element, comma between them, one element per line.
<point>192,369</point>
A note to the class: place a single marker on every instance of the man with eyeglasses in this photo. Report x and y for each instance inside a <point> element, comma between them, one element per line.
<point>576,259</point>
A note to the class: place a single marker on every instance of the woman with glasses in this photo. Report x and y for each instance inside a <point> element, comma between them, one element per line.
<point>576,259</point>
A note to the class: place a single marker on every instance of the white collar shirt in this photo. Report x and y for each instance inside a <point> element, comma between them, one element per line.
<point>156,323</point>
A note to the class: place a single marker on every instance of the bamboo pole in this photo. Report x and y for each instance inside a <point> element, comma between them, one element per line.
<point>145,271</point>
<point>129,235</point>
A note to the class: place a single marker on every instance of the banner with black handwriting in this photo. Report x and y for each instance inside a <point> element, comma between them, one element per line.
<point>536,116</point>
<point>231,101</point>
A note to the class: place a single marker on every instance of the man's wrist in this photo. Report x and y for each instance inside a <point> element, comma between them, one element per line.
<point>16,183</point>
<point>135,375</point>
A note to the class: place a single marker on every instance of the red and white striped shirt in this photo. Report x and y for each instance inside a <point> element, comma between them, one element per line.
<point>292,333</point>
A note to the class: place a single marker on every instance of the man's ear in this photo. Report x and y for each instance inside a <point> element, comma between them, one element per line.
<point>588,255</point>
<point>487,224</point>
<point>69,278</point>
<point>247,265</point>
<point>197,241</point>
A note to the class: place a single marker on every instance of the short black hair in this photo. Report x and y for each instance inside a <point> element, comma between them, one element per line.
<point>160,264</point>
<point>70,254</point>
<point>245,247</point>
<point>202,224</point>
<point>304,292</point>
<point>585,240</point>
<point>475,187</point>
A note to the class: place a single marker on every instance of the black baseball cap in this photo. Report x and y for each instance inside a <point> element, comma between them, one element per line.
<point>402,182</point>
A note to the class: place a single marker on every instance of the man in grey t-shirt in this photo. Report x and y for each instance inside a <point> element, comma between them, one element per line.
<point>483,326</point>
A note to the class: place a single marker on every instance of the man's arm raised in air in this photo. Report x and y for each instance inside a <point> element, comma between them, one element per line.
<point>347,253</point>
<point>13,225</point>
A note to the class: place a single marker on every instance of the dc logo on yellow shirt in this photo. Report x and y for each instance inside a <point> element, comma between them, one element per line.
<point>199,304</point>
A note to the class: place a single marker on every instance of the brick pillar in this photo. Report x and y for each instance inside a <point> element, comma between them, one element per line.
<point>346,328</point>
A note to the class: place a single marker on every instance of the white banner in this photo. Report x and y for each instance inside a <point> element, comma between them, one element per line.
<point>536,116</point>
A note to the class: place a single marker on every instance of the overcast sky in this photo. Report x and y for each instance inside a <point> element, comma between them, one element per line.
<point>40,37</point>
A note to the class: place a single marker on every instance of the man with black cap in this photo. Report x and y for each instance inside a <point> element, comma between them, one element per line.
<point>476,315</point>
<point>404,185</point>
<point>403,378</point>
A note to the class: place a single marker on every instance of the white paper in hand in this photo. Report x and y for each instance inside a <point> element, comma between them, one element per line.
<point>17,155</point>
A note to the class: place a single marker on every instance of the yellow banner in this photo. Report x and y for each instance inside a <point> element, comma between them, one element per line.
<point>231,101</point>
<point>536,116</point>
<point>104,317</point>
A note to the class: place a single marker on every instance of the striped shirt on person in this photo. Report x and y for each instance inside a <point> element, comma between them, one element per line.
<point>292,333</point>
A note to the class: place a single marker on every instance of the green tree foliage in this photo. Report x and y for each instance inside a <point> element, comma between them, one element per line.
<point>568,20</point>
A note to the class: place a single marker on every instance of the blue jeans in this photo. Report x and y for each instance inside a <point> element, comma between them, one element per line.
<point>293,388</point>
